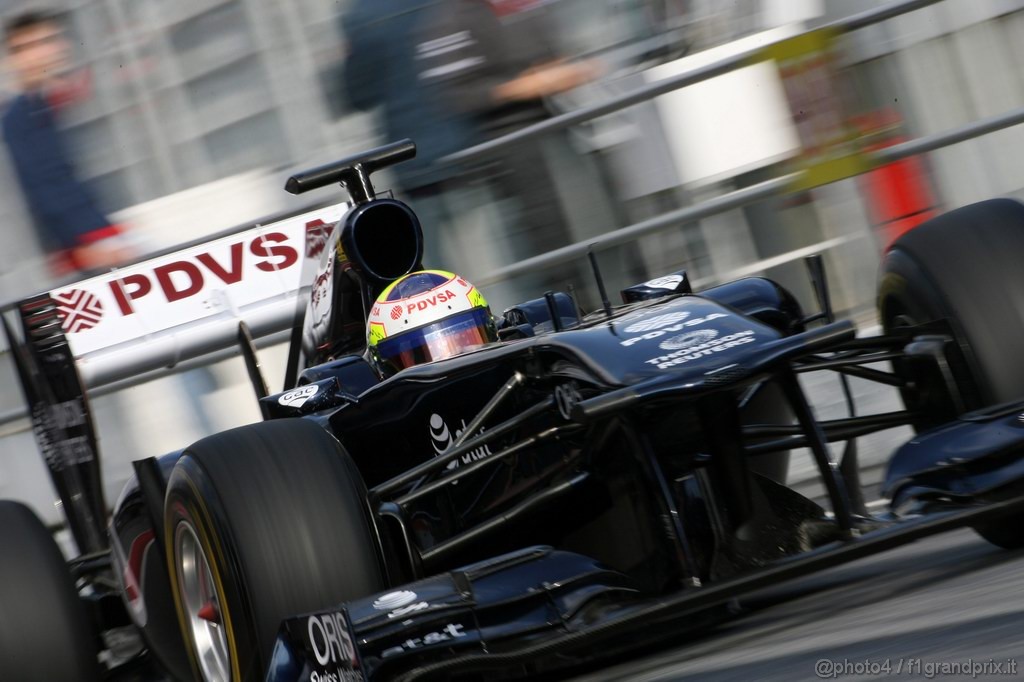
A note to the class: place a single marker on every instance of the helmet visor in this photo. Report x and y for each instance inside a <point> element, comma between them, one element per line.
<point>437,341</point>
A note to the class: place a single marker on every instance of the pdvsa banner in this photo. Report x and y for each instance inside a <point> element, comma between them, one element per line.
<point>233,277</point>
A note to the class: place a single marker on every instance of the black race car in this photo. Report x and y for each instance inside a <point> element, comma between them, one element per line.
<point>590,484</point>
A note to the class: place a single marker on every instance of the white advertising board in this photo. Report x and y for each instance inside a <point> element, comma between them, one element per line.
<point>730,124</point>
<point>161,311</point>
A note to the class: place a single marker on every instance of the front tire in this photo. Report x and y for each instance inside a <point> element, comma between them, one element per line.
<point>965,267</point>
<point>45,632</point>
<point>262,523</point>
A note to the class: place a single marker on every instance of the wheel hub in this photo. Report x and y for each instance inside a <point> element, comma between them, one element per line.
<point>201,603</point>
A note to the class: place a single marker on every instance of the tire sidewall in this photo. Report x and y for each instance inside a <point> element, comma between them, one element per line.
<point>191,500</point>
<point>906,289</point>
<point>964,267</point>
<point>280,512</point>
<point>45,629</point>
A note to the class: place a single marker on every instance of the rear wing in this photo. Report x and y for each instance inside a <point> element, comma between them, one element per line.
<point>176,307</point>
<point>150,315</point>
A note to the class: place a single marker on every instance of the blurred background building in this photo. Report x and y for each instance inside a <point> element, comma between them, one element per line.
<point>198,109</point>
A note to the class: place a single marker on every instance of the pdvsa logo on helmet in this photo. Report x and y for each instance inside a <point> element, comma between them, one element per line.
<point>427,302</point>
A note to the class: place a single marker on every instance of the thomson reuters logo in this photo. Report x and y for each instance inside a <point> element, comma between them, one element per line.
<point>79,310</point>
<point>657,322</point>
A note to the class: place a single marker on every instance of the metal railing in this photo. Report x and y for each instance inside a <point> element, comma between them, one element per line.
<point>728,201</point>
<point>742,197</point>
<point>666,85</point>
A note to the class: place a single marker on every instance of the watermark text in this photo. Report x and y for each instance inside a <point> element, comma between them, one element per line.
<point>829,669</point>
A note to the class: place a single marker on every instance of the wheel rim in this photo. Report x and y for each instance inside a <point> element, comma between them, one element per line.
<point>202,605</point>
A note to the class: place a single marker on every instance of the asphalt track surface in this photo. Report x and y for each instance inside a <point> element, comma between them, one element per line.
<point>950,599</point>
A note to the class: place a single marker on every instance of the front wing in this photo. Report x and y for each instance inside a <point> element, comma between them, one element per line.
<point>538,611</point>
<point>494,606</point>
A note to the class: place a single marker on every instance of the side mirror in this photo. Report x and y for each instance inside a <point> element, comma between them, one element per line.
<point>306,399</point>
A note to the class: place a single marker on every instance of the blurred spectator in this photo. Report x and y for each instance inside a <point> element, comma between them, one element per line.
<point>380,71</point>
<point>492,61</point>
<point>69,221</point>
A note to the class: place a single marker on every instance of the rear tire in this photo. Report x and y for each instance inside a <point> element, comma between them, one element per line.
<point>965,267</point>
<point>45,632</point>
<point>262,523</point>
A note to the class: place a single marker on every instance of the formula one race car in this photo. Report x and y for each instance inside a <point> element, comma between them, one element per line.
<point>570,488</point>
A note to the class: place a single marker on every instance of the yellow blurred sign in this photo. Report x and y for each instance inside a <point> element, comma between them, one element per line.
<point>832,150</point>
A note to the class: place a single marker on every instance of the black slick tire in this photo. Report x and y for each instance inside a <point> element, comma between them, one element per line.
<point>279,510</point>
<point>45,631</point>
<point>965,267</point>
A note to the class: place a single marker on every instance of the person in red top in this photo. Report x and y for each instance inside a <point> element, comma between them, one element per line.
<point>72,227</point>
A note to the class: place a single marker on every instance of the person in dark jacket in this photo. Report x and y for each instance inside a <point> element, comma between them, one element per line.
<point>493,62</point>
<point>70,223</point>
<point>381,73</point>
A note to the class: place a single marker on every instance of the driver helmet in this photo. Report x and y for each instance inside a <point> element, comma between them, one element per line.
<point>425,316</point>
